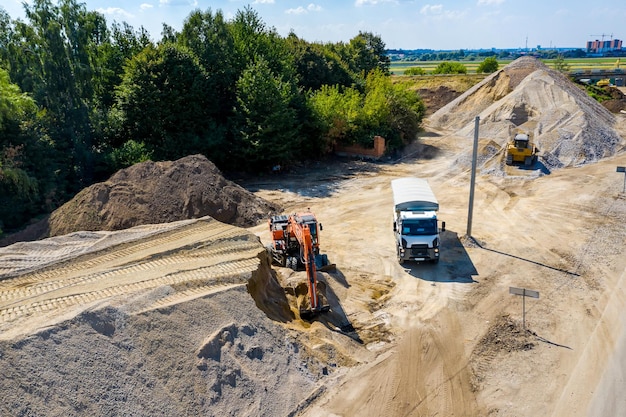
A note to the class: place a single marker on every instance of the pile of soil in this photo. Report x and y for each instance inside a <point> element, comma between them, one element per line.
<point>434,99</point>
<point>569,127</point>
<point>151,193</point>
<point>617,102</point>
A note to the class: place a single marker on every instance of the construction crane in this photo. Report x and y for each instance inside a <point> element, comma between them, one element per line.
<point>603,36</point>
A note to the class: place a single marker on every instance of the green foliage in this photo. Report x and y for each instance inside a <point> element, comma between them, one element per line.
<point>80,99</point>
<point>165,101</point>
<point>266,126</point>
<point>18,189</point>
<point>448,67</point>
<point>488,66</point>
<point>415,71</point>
<point>14,105</point>
<point>317,65</point>
<point>385,109</point>
<point>208,37</point>
<point>130,153</point>
<point>338,113</point>
<point>560,64</point>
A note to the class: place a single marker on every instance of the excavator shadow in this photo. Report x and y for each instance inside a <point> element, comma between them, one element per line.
<point>455,264</point>
<point>335,318</point>
<point>331,313</point>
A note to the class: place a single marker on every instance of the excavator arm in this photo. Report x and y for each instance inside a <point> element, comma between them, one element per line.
<point>303,234</point>
<point>295,243</point>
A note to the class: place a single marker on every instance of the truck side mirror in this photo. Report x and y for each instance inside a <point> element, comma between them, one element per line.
<point>443,226</point>
<point>394,226</point>
<point>321,227</point>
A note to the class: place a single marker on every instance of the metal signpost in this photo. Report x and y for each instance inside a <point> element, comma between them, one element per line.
<point>524,293</point>
<point>623,169</point>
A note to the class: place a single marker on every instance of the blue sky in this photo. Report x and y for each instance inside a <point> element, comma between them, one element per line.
<point>401,24</point>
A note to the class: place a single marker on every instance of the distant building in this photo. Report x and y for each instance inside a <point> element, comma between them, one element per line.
<point>603,47</point>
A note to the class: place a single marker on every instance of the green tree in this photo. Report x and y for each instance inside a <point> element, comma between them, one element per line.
<point>560,64</point>
<point>488,65</point>
<point>266,128</point>
<point>253,40</point>
<point>337,112</point>
<point>57,68</point>
<point>18,186</point>
<point>364,53</point>
<point>389,110</point>
<point>162,102</point>
<point>415,71</point>
<point>208,37</point>
<point>317,65</point>
<point>448,67</point>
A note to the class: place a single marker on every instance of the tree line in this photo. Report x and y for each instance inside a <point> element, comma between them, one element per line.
<point>80,99</point>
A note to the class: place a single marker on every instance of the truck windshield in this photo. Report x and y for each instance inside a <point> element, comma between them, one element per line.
<point>419,227</point>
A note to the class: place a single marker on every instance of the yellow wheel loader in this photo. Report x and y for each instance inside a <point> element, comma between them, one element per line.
<point>521,150</point>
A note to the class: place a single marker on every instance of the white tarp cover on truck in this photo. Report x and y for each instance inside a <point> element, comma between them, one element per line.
<point>413,194</point>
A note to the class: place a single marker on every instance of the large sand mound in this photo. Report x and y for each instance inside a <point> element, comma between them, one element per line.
<point>160,192</point>
<point>569,127</point>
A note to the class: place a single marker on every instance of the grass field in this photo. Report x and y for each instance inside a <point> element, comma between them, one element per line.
<point>398,67</point>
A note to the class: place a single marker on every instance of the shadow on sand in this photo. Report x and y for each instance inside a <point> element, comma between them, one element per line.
<point>455,264</point>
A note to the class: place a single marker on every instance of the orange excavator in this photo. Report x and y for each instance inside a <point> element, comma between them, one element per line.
<point>295,244</point>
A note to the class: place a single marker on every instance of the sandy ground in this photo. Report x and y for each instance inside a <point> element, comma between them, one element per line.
<point>561,235</point>
<point>188,319</point>
<point>423,340</point>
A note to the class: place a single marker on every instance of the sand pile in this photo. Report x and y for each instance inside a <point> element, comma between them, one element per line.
<point>160,192</point>
<point>569,127</point>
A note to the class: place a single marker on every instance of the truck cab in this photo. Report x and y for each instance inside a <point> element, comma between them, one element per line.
<point>415,222</point>
<point>417,235</point>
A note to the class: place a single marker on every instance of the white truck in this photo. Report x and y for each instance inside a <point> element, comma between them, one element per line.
<point>415,223</point>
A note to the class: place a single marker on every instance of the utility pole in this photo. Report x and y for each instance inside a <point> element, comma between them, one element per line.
<point>473,180</point>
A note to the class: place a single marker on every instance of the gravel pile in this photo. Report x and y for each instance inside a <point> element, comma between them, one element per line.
<point>569,127</point>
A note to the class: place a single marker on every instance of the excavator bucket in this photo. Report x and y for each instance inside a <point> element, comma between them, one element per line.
<point>304,301</point>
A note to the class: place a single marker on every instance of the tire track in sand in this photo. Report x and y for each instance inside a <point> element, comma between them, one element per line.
<point>198,259</point>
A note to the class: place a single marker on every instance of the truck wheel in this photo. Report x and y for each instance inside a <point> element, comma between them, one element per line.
<point>435,261</point>
<point>400,260</point>
<point>509,159</point>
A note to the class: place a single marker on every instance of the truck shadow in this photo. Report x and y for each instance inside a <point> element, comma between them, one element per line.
<point>455,264</point>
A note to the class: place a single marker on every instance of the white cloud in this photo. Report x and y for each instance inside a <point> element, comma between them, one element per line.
<point>192,3</point>
<point>301,10</point>
<point>114,11</point>
<point>359,3</point>
<point>489,2</point>
<point>145,6</point>
<point>432,9</point>
<point>439,13</point>
<point>263,2</point>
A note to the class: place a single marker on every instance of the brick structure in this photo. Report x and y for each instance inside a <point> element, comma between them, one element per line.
<point>359,151</point>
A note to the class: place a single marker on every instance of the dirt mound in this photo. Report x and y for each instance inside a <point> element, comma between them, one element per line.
<point>569,127</point>
<point>160,192</point>
<point>434,99</point>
